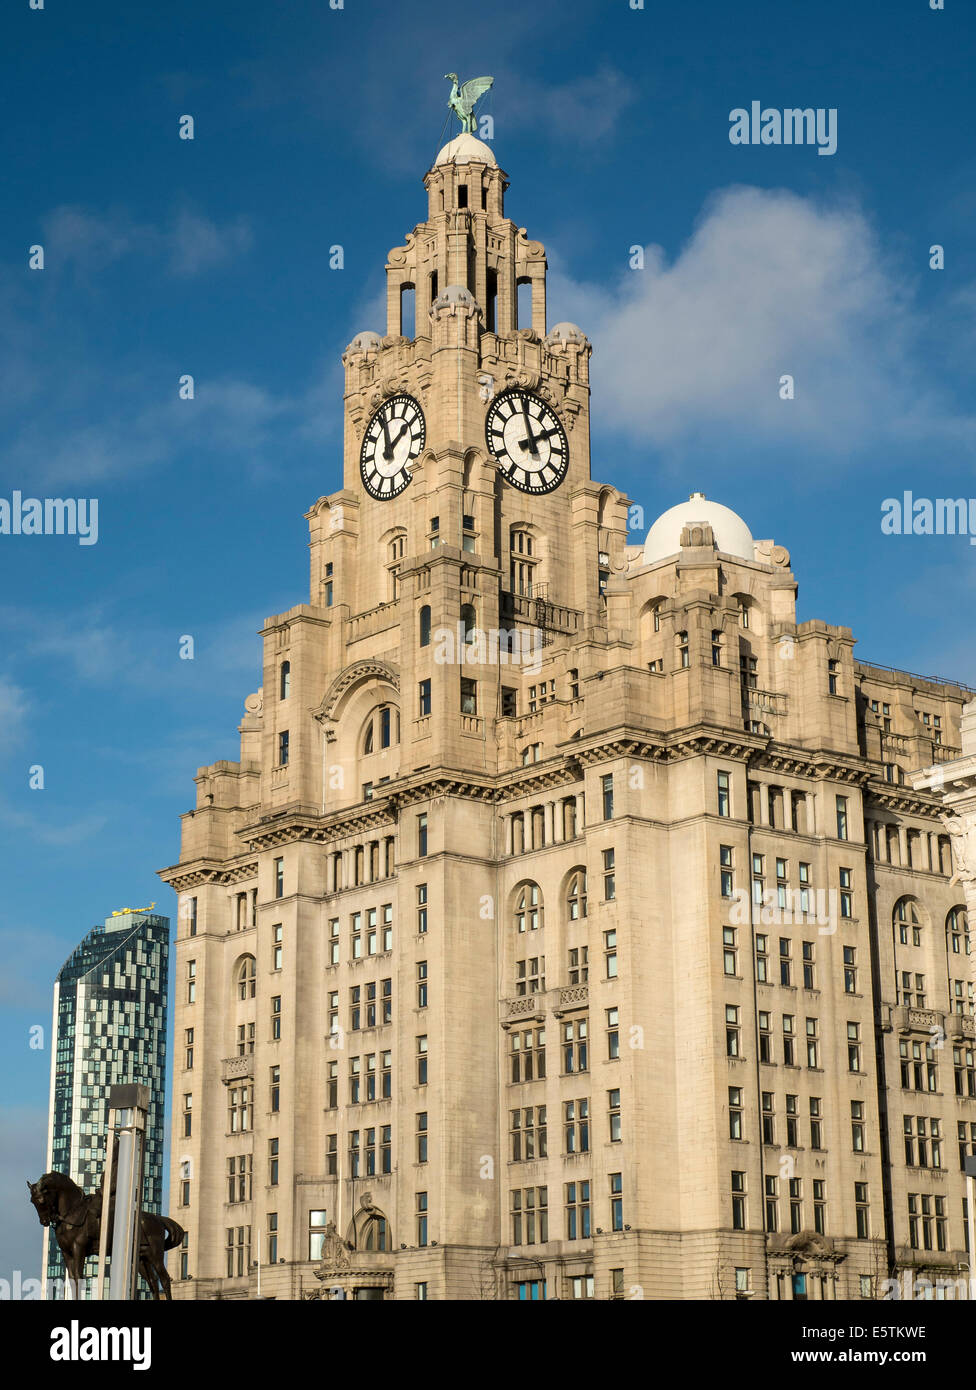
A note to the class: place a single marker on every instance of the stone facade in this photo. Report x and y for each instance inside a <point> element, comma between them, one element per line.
<point>471,1001</point>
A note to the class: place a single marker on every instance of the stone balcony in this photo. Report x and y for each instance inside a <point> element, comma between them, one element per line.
<point>237,1069</point>
<point>562,1000</point>
<point>900,1019</point>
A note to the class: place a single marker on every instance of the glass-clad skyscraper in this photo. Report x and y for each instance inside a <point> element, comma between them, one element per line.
<point>109,1028</point>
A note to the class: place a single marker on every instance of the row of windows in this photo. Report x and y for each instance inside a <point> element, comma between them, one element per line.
<point>790,971</point>
<point>529,1133</point>
<point>529,1211</point>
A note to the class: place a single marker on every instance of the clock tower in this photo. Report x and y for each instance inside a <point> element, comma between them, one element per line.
<point>466,435</point>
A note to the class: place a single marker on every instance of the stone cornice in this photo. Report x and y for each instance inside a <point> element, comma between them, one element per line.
<point>197,873</point>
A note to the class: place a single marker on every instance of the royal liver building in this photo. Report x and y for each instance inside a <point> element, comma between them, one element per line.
<point>570,926</point>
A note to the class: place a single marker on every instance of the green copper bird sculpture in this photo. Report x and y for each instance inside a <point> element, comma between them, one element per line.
<point>463,99</point>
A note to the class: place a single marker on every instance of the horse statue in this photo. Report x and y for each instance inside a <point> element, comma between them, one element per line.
<point>76,1219</point>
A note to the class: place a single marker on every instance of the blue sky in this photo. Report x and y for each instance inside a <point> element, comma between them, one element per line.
<point>314,127</point>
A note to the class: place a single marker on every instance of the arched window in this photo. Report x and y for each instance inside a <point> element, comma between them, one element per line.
<point>469,621</point>
<point>528,908</point>
<point>246,982</point>
<point>957,932</point>
<point>285,688</point>
<point>576,895</point>
<point>425,626</point>
<point>368,740</point>
<point>375,1234</point>
<point>908,922</point>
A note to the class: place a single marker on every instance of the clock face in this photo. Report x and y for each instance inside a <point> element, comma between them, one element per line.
<point>394,438</point>
<point>528,440</point>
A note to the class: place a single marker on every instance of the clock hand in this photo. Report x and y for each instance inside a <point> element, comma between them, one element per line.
<point>403,429</point>
<point>388,451</point>
<point>531,441</point>
<point>546,434</point>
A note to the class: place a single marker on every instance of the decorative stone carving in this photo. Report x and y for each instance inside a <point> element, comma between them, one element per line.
<point>352,675</point>
<point>963,836</point>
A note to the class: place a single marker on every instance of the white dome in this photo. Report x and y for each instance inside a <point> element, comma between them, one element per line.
<point>732,535</point>
<point>466,149</point>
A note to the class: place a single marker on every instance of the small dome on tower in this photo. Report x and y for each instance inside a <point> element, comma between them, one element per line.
<point>453,295</point>
<point>367,341</point>
<point>466,149</point>
<point>562,333</point>
<point>732,535</point>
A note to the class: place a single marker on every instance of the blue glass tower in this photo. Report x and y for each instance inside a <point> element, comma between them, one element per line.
<point>109,1028</point>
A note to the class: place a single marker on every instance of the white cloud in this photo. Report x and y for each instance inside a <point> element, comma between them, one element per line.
<point>90,241</point>
<point>199,244</point>
<point>769,284</point>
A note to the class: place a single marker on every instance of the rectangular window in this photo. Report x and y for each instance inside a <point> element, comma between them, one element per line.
<point>762,958</point>
<point>422,1137</point>
<point>809,977</point>
<point>609,876</point>
<point>421,984</point>
<point>842,818</point>
<point>283,748</point>
<point>613,1114</point>
<point>576,1126</point>
<point>726,871</point>
<point>469,696</point>
<point>606,784</point>
<point>857,1126</point>
<point>422,836</point>
<point>730,955</point>
<point>613,1034</point>
<point>738,1188</point>
<point>789,1041</point>
<point>732,1030</point>
<point>862,1211</point>
<point>577,1211</point>
<point>421,908</point>
<point>735,1112</point>
<point>850,970</point>
<point>422,1060</point>
<point>610,954</point>
<point>616,1202</point>
<point>527,1050</point>
<point>575,1057</point>
<point>724,794</point>
<point>279,878</point>
<point>424,698</point>
<point>813,1043</point>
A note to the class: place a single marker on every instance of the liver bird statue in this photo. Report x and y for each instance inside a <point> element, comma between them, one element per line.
<point>463,99</point>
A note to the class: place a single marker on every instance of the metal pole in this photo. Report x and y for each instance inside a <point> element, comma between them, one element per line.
<point>106,1203</point>
<point>132,1103</point>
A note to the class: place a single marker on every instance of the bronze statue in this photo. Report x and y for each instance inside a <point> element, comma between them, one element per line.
<point>464,98</point>
<point>76,1219</point>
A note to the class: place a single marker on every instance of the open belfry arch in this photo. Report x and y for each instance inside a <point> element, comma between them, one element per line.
<point>503,774</point>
